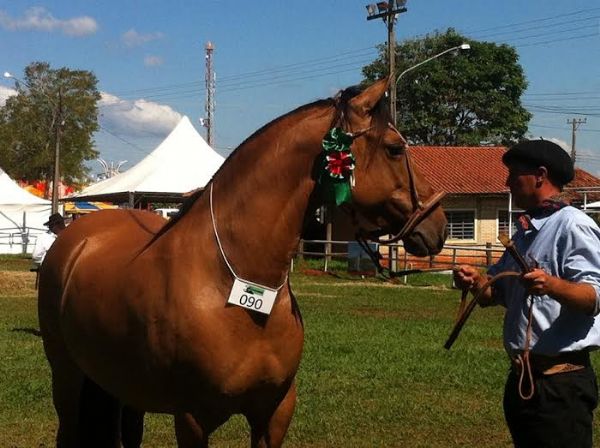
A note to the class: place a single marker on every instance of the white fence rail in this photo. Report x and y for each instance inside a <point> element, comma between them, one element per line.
<point>396,258</point>
<point>15,240</point>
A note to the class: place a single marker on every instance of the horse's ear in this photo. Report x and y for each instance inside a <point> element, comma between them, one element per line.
<point>368,98</point>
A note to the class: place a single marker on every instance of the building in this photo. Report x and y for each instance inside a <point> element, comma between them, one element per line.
<point>478,205</point>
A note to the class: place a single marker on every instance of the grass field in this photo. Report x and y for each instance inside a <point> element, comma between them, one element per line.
<point>374,372</point>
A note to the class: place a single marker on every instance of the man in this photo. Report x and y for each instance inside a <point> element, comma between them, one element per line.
<point>551,390</point>
<point>55,224</point>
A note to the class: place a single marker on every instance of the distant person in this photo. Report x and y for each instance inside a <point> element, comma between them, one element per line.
<point>552,318</point>
<point>55,224</point>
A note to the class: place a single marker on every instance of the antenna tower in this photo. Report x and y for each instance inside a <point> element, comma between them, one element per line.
<point>209,123</point>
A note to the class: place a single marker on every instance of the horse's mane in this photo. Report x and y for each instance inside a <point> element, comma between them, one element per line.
<point>380,115</point>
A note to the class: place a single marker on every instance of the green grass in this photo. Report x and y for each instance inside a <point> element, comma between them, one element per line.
<point>15,262</point>
<point>373,374</point>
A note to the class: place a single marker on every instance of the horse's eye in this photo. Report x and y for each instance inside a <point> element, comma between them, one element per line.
<point>395,151</point>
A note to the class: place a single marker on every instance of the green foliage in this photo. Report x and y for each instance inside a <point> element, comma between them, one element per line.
<point>49,102</point>
<point>469,99</point>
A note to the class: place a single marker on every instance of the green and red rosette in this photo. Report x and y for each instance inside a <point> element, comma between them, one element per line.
<point>337,166</point>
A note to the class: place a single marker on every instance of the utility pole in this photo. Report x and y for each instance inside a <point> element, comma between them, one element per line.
<point>210,95</point>
<point>575,122</point>
<point>56,178</point>
<point>388,11</point>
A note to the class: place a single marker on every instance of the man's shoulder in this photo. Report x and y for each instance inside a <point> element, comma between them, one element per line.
<point>572,219</point>
<point>576,214</point>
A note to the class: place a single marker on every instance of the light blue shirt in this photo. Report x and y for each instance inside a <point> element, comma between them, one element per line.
<point>565,244</point>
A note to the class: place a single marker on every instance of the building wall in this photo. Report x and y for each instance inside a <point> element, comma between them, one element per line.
<point>486,215</point>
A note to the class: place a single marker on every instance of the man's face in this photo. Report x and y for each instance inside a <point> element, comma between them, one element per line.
<point>523,181</point>
<point>56,228</point>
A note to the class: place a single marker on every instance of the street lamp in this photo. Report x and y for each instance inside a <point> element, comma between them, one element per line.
<point>463,47</point>
<point>59,121</point>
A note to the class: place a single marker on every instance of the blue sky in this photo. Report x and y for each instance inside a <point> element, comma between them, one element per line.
<point>272,56</point>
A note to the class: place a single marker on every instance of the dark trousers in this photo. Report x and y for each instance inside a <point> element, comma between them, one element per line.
<point>560,413</point>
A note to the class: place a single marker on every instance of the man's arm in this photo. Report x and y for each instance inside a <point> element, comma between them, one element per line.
<point>40,249</point>
<point>578,296</point>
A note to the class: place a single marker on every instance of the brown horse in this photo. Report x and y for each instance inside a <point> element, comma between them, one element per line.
<point>141,311</point>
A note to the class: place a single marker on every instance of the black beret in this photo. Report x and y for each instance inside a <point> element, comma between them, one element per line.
<point>55,218</point>
<point>543,153</point>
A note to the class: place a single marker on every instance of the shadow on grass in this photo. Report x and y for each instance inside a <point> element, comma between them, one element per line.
<point>33,331</point>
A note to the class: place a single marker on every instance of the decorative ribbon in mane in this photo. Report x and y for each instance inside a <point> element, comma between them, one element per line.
<point>335,175</point>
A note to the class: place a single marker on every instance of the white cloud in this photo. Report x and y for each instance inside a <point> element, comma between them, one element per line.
<point>137,118</point>
<point>5,92</point>
<point>153,61</point>
<point>132,38</point>
<point>564,145</point>
<point>39,19</point>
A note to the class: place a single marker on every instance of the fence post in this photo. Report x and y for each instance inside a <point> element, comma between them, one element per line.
<point>301,250</point>
<point>488,253</point>
<point>452,285</point>
<point>329,234</point>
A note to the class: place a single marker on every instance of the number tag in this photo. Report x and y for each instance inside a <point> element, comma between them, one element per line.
<point>252,296</point>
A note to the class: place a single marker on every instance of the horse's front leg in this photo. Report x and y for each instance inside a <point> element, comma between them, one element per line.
<point>269,428</point>
<point>193,431</point>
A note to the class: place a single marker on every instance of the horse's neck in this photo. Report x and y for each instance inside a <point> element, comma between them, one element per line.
<point>260,199</point>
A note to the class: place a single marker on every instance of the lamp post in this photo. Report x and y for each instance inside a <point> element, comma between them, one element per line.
<point>59,122</point>
<point>463,47</point>
<point>388,11</point>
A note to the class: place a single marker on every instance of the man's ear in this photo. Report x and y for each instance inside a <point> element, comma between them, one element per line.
<point>541,175</point>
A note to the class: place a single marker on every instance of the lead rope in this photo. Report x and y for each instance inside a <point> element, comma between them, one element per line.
<point>523,361</point>
<point>214,224</point>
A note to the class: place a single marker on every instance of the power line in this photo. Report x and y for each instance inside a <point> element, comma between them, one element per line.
<point>554,30</point>
<point>581,11</point>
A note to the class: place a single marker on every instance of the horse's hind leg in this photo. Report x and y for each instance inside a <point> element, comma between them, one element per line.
<point>99,418</point>
<point>132,427</point>
<point>67,381</point>
<point>269,429</point>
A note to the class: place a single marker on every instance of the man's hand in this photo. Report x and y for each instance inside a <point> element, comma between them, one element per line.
<point>579,296</point>
<point>539,283</point>
<point>466,276</point>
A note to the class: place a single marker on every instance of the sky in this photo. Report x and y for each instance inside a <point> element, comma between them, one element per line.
<point>273,56</point>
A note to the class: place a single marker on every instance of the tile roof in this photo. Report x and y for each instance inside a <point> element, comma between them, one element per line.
<point>474,169</point>
<point>462,169</point>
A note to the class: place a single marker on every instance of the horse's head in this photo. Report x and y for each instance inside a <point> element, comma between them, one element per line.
<point>389,195</point>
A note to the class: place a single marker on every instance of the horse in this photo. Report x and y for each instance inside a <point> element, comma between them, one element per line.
<point>166,318</point>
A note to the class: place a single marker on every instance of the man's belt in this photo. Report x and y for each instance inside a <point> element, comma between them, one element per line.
<point>551,365</point>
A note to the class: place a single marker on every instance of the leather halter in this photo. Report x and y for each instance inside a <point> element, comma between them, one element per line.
<point>420,211</point>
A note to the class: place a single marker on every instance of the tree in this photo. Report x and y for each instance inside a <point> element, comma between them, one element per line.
<point>50,103</point>
<point>470,99</point>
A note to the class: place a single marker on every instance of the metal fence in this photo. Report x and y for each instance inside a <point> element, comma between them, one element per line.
<point>395,257</point>
<point>17,240</point>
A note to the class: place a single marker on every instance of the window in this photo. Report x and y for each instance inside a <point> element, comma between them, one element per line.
<point>461,224</point>
<point>503,222</point>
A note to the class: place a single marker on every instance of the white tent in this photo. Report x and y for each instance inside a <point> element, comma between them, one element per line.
<point>181,163</point>
<point>22,217</point>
